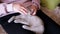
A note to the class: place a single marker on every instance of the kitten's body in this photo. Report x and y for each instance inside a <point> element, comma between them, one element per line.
<point>34,22</point>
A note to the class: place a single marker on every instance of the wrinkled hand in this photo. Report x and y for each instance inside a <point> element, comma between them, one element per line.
<point>33,8</point>
<point>23,10</point>
<point>17,7</point>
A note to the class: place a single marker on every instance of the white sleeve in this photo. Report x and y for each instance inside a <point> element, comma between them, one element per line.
<point>4,8</point>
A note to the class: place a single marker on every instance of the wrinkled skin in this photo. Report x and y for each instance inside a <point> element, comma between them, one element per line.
<point>33,8</point>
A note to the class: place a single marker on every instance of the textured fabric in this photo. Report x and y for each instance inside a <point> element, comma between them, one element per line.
<point>8,8</point>
<point>36,2</point>
<point>50,26</point>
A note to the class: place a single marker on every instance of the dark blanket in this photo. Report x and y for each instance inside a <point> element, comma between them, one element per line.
<point>11,28</point>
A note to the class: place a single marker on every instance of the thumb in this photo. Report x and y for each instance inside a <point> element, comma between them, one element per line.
<point>33,12</point>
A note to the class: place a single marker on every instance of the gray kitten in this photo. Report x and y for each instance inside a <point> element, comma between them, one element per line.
<point>31,22</point>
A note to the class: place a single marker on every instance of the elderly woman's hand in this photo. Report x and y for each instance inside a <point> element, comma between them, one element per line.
<point>23,10</point>
<point>33,9</point>
<point>19,8</point>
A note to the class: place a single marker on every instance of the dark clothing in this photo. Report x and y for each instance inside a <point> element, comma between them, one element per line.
<point>11,28</point>
<point>50,26</point>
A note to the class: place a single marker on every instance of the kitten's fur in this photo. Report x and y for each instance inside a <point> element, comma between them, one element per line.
<point>33,21</point>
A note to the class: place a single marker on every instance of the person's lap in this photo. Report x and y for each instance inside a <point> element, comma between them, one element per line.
<point>50,26</point>
<point>11,28</point>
